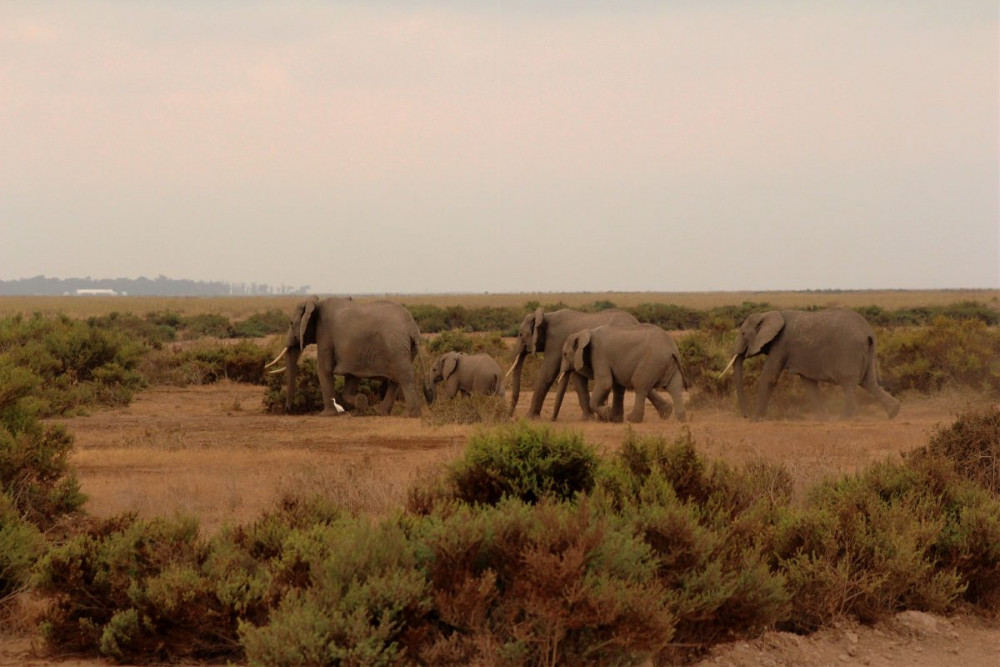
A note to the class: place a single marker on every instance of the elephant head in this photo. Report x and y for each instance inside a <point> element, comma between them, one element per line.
<point>301,332</point>
<point>755,334</point>
<point>442,369</point>
<point>575,358</point>
<point>530,339</point>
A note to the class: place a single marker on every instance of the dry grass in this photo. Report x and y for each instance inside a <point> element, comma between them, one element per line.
<point>210,451</point>
<point>241,307</point>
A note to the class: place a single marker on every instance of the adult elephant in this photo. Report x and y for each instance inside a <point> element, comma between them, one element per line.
<point>835,345</point>
<point>356,340</point>
<point>643,358</point>
<point>546,332</point>
<point>465,373</point>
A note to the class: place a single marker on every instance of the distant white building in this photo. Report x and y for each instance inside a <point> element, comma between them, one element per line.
<point>97,292</point>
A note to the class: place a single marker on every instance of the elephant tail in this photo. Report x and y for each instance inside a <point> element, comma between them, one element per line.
<point>871,368</point>
<point>680,369</point>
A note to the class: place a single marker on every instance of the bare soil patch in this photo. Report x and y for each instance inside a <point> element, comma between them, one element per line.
<point>212,452</point>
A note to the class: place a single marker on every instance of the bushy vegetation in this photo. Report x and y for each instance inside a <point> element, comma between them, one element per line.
<point>531,549</point>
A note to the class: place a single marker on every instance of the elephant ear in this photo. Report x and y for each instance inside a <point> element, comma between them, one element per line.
<point>450,366</point>
<point>770,326</point>
<point>538,330</point>
<point>580,343</point>
<point>308,312</point>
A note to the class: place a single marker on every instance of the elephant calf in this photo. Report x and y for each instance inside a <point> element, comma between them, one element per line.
<point>466,373</point>
<point>642,357</point>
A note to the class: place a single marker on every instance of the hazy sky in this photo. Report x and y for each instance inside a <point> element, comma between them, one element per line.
<point>503,146</point>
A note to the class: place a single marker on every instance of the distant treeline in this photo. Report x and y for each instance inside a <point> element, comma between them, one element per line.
<point>159,286</point>
<point>507,319</point>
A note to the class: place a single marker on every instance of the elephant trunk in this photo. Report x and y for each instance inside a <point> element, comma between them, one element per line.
<point>516,380</point>
<point>291,373</point>
<point>738,379</point>
<point>560,392</point>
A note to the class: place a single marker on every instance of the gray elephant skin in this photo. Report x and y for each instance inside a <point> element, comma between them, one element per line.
<point>835,345</point>
<point>357,340</point>
<point>464,373</point>
<point>642,358</point>
<point>546,332</point>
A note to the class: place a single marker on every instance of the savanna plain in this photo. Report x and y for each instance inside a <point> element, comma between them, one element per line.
<point>202,444</point>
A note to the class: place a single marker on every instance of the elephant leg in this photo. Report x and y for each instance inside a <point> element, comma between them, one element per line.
<point>768,379</point>
<point>676,389</point>
<point>815,398</point>
<point>326,384</point>
<point>662,407</point>
<point>389,392</point>
<point>602,387</point>
<point>408,384</point>
<point>639,408</point>
<point>350,396</point>
<point>850,400</point>
<point>580,384</point>
<point>885,399</point>
<point>546,376</point>
<point>617,403</point>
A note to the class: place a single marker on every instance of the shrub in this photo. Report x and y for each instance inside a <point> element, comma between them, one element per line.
<point>34,467</point>
<point>522,460</point>
<point>964,353</point>
<point>457,341</point>
<point>308,394</point>
<point>21,544</point>
<point>889,538</point>
<point>259,325</point>
<point>208,325</point>
<point>706,526</point>
<point>551,583</point>
<point>972,445</point>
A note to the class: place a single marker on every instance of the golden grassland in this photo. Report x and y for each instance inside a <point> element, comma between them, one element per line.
<point>237,307</point>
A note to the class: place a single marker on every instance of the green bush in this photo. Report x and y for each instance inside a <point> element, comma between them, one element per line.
<point>21,544</point>
<point>706,526</point>
<point>457,341</point>
<point>521,460</point>
<point>948,352</point>
<point>259,325</point>
<point>309,395</point>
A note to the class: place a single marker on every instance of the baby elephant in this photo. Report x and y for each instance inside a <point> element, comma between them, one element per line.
<point>466,373</point>
<point>642,357</point>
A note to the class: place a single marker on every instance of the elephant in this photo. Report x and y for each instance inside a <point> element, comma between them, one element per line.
<point>357,340</point>
<point>835,345</point>
<point>465,373</point>
<point>642,357</point>
<point>546,332</point>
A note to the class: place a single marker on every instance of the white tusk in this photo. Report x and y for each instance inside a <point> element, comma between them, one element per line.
<point>277,358</point>
<point>511,369</point>
<point>726,369</point>
<point>276,371</point>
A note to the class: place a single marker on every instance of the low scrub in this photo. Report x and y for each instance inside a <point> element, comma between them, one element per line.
<point>309,396</point>
<point>471,409</point>
<point>972,444</point>
<point>520,461</point>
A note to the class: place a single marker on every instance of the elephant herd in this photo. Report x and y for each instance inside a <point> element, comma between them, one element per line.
<point>609,349</point>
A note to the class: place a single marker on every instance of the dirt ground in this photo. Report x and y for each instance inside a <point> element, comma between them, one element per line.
<point>211,451</point>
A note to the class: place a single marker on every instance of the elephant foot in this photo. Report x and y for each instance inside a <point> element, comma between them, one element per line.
<point>666,412</point>
<point>634,420</point>
<point>360,402</point>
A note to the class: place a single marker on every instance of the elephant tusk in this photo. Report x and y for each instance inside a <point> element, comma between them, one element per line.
<point>507,375</point>
<point>731,362</point>
<point>276,371</point>
<point>277,358</point>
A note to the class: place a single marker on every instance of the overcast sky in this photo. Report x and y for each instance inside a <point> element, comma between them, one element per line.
<point>448,146</point>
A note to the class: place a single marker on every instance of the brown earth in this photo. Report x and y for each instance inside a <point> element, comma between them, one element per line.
<point>211,451</point>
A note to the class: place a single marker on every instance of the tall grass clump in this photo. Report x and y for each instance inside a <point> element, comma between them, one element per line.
<point>972,444</point>
<point>472,409</point>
